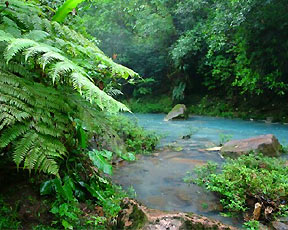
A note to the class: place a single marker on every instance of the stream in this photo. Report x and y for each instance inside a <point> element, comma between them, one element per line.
<point>158,178</point>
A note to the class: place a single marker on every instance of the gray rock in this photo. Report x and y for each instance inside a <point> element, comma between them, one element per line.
<point>279,225</point>
<point>268,145</point>
<point>179,111</point>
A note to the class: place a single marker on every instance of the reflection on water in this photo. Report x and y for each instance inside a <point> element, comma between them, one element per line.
<point>158,179</point>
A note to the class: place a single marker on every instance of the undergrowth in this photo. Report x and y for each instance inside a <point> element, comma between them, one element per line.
<point>245,181</point>
<point>161,104</point>
<point>8,216</point>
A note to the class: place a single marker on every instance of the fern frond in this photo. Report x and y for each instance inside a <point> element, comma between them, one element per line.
<point>11,27</point>
<point>16,68</point>
<point>5,37</point>
<point>36,35</point>
<point>33,118</point>
<point>42,63</point>
<point>23,147</point>
<point>16,46</point>
<point>12,133</point>
<point>31,158</point>
<point>50,57</point>
<point>46,24</point>
<point>39,49</point>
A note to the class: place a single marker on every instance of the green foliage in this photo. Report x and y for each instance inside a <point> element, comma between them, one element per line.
<point>219,43</point>
<point>65,9</point>
<point>254,177</point>
<point>229,47</point>
<point>83,184</point>
<point>213,107</point>
<point>42,63</point>
<point>137,31</point>
<point>150,105</point>
<point>143,87</point>
<point>252,225</point>
<point>178,92</point>
<point>136,139</point>
<point>101,160</point>
<point>245,107</point>
<point>8,216</point>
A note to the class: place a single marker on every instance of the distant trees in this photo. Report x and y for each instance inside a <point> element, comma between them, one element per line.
<point>237,46</point>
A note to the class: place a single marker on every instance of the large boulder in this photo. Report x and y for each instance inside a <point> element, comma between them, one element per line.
<point>179,111</point>
<point>136,216</point>
<point>268,145</point>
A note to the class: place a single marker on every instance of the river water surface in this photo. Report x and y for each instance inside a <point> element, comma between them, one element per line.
<point>158,179</point>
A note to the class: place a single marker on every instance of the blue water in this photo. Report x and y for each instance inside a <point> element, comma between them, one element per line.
<point>209,127</point>
<point>158,179</point>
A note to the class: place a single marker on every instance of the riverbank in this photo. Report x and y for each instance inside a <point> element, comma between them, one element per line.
<point>209,105</point>
<point>157,179</point>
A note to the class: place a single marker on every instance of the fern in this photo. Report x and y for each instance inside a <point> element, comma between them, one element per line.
<point>42,64</point>
<point>71,72</point>
<point>27,123</point>
<point>17,45</point>
<point>37,35</point>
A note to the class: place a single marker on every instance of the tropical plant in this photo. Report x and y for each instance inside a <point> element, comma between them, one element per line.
<point>42,62</point>
<point>245,181</point>
<point>65,9</point>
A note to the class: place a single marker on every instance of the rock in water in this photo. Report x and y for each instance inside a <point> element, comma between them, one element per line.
<point>268,145</point>
<point>135,216</point>
<point>179,111</point>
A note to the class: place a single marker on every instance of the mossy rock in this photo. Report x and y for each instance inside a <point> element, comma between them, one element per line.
<point>136,216</point>
<point>179,111</point>
<point>131,217</point>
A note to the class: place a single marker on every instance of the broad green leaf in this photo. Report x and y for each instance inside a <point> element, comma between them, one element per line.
<point>107,154</point>
<point>128,156</point>
<point>59,188</point>
<point>65,9</point>
<point>93,189</point>
<point>46,187</point>
<point>100,162</point>
<point>66,225</point>
<point>68,189</point>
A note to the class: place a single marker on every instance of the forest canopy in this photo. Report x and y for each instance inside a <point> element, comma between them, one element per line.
<point>238,47</point>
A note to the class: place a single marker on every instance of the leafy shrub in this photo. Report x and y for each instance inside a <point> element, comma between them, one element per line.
<point>136,139</point>
<point>178,91</point>
<point>253,177</point>
<point>252,225</point>
<point>150,105</point>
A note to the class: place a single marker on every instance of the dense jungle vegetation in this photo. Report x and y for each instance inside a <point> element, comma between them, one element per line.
<point>67,70</point>
<point>233,51</point>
